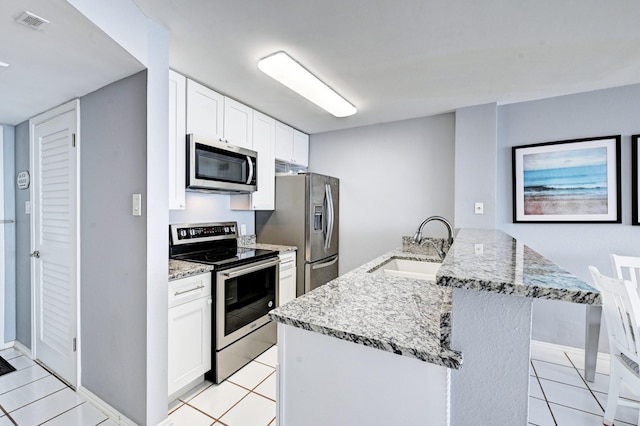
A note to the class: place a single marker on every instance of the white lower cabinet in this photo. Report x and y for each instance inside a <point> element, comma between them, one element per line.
<point>287,288</point>
<point>190,309</point>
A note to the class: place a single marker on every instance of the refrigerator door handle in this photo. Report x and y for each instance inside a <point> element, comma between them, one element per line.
<point>329,201</point>
<point>250,169</point>
<point>325,264</point>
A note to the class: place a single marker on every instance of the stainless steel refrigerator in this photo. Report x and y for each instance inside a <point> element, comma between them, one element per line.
<point>306,215</point>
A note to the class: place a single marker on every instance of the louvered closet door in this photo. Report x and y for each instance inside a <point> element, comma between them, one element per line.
<point>54,239</point>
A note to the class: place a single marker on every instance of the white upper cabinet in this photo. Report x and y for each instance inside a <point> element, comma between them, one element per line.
<point>300,148</point>
<point>264,132</point>
<point>205,112</point>
<point>284,142</point>
<point>238,124</point>
<point>177,139</point>
<point>292,146</point>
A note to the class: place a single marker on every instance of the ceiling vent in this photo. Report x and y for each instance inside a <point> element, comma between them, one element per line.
<point>32,21</point>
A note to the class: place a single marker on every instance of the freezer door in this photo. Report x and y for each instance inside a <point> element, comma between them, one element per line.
<point>319,273</point>
<point>323,196</point>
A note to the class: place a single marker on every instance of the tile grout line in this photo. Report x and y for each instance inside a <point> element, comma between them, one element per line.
<point>543,393</point>
<point>584,381</point>
<point>8,415</point>
<point>26,384</point>
<point>59,414</point>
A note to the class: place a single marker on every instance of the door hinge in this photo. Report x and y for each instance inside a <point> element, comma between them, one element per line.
<point>73,143</point>
<point>75,341</point>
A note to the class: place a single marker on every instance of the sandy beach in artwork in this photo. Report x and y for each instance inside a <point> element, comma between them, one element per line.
<point>565,204</point>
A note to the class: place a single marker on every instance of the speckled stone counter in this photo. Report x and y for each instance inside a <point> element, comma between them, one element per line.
<point>181,269</point>
<point>249,241</point>
<point>400,315</point>
<point>491,260</point>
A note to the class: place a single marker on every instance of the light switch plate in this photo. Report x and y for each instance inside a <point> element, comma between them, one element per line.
<point>137,205</point>
<point>243,229</point>
<point>479,208</point>
<point>27,207</point>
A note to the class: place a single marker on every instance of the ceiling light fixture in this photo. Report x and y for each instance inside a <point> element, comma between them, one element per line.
<point>284,69</point>
<point>3,66</point>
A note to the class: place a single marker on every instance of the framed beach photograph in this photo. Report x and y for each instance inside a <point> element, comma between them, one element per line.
<point>635,220</point>
<point>572,181</point>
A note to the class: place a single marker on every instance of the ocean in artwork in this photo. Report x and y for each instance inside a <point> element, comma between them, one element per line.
<point>566,182</point>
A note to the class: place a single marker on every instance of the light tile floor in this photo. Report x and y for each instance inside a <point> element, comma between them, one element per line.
<point>247,398</point>
<point>32,396</point>
<point>558,395</point>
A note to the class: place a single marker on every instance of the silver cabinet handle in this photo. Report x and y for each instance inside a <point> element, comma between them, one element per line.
<point>177,293</point>
<point>35,254</point>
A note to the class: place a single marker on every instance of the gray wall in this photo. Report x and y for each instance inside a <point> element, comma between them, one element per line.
<point>476,133</point>
<point>113,145</point>
<point>572,246</point>
<point>392,176</point>
<point>23,242</point>
<point>9,213</point>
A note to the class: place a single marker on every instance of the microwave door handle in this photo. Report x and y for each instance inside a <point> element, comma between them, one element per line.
<point>330,221</point>
<point>250,170</point>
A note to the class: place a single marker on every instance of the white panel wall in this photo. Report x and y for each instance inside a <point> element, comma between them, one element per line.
<point>392,176</point>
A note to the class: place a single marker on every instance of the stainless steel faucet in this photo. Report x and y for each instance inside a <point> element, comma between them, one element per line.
<point>418,237</point>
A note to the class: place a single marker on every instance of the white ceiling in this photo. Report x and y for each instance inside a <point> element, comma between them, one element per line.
<point>66,59</point>
<point>393,59</point>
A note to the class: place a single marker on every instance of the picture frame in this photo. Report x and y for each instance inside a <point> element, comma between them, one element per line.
<point>635,220</point>
<point>569,181</point>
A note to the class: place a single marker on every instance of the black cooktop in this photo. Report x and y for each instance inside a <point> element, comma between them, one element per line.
<point>212,244</point>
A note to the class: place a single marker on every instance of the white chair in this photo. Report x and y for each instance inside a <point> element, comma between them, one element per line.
<point>626,267</point>
<point>621,307</point>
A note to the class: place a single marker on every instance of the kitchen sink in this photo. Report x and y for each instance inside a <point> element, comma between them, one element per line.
<point>408,268</point>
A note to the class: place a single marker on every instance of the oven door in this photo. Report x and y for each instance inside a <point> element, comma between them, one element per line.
<point>245,295</point>
<point>220,167</point>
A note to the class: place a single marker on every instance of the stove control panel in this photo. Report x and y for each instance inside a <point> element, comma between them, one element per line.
<point>184,233</point>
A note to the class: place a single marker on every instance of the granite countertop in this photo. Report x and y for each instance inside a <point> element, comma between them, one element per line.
<point>182,269</point>
<point>491,260</point>
<point>412,317</point>
<point>400,315</point>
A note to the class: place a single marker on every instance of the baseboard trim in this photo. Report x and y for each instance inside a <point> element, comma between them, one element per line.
<point>107,409</point>
<point>22,348</point>
<point>578,351</point>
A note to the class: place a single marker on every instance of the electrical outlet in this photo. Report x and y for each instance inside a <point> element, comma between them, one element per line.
<point>479,208</point>
<point>243,229</point>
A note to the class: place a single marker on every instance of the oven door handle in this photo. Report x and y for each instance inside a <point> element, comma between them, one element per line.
<point>242,270</point>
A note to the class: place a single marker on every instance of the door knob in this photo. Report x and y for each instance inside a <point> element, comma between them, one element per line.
<point>35,254</point>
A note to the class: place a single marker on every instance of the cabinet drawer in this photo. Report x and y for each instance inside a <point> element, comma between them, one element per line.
<point>187,289</point>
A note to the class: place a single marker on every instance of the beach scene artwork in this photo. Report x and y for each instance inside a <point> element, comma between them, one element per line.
<point>570,182</point>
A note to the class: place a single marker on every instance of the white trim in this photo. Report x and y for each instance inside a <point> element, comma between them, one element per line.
<point>107,409</point>
<point>22,348</point>
<point>2,242</point>
<point>73,105</point>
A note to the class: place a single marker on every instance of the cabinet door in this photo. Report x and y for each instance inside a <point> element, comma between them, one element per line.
<point>177,139</point>
<point>287,288</point>
<point>264,134</point>
<point>205,112</point>
<point>189,342</point>
<point>284,142</point>
<point>300,148</point>
<point>238,124</point>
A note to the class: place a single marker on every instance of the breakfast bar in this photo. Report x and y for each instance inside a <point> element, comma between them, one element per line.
<point>387,346</point>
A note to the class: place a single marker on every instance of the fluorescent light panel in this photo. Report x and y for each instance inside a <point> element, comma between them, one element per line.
<point>287,71</point>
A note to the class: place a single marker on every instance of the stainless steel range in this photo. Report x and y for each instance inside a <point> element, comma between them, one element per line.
<point>245,290</point>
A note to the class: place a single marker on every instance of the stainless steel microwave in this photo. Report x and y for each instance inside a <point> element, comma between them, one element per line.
<point>220,168</point>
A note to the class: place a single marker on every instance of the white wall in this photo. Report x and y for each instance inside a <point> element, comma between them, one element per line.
<point>392,176</point>
<point>572,246</point>
<point>201,207</point>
